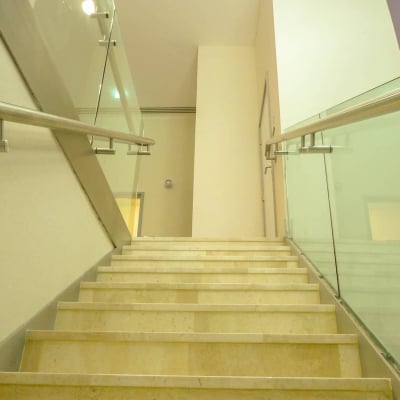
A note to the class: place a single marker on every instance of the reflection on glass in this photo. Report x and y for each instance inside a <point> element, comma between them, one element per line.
<point>308,209</point>
<point>88,7</point>
<point>69,33</point>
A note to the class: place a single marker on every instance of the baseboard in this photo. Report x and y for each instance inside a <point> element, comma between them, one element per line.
<point>11,347</point>
<point>373,364</point>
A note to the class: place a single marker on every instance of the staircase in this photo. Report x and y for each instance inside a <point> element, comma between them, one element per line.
<point>175,319</point>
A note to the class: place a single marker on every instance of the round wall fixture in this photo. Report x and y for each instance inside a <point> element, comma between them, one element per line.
<point>168,183</point>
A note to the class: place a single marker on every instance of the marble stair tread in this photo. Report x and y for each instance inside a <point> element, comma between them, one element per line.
<point>200,293</point>
<point>216,354</point>
<point>204,247</point>
<point>204,258</point>
<point>202,270</point>
<point>201,286</point>
<point>186,239</point>
<point>205,252</point>
<point>244,338</point>
<point>185,261</point>
<point>275,319</point>
<point>279,308</point>
<point>111,387</point>
<point>202,274</point>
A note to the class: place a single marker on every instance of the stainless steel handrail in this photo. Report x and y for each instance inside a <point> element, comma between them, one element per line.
<point>374,108</point>
<point>27,116</point>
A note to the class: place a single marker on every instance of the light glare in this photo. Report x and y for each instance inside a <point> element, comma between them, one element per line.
<point>116,94</point>
<point>88,7</point>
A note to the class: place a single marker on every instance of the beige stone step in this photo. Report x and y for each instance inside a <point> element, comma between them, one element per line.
<point>204,252</point>
<point>192,354</point>
<point>257,241</point>
<point>205,249</point>
<point>189,318</point>
<point>216,261</point>
<point>199,293</point>
<point>33,386</point>
<point>202,275</point>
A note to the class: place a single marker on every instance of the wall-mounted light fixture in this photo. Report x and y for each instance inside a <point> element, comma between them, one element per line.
<point>168,184</point>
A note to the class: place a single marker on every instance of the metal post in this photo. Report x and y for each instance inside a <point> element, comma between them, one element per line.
<point>312,140</point>
<point>4,148</point>
<point>103,150</point>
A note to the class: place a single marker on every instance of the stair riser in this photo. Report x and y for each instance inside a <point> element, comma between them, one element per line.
<point>184,253</point>
<point>188,322</point>
<point>192,358</point>
<point>204,242</point>
<point>34,392</point>
<point>199,296</point>
<point>264,278</point>
<point>203,263</point>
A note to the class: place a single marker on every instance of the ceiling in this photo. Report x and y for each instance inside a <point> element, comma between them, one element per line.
<point>162,36</point>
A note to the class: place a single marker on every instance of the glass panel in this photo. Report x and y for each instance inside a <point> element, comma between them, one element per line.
<point>118,90</point>
<point>365,201</point>
<point>303,123</point>
<point>309,221</point>
<point>119,110</point>
<point>69,33</point>
<point>371,94</point>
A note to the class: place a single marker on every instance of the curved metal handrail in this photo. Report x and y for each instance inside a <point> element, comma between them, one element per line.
<point>27,116</point>
<point>374,108</point>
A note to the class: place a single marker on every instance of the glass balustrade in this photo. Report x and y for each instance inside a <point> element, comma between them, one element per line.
<point>344,214</point>
<point>119,109</point>
<point>72,38</point>
<point>308,212</point>
<point>86,46</point>
<point>365,199</point>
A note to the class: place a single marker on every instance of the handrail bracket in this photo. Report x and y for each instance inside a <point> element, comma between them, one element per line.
<point>104,150</point>
<point>271,153</point>
<point>313,148</point>
<point>4,147</point>
<point>144,150</point>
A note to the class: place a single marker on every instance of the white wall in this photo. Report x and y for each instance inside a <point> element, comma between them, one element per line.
<point>329,51</point>
<point>49,233</point>
<point>168,212</point>
<point>227,189</point>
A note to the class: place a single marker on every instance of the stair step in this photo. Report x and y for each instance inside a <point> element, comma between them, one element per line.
<point>204,249</point>
<point>192,261</point>
<point>33,386</point>
<point>257,241</point>
<point>188,246</point>
<point>204,252</point>
<point>189,318</point>
<point>199,293</point>
<point>202,275</point>
<point>192,354</point>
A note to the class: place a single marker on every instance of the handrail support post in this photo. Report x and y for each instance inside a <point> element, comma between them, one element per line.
<point>312,140</point>
<point>103,150</point>
<point>313,148</point>
<point>144,150</point>
<point>4,148</point>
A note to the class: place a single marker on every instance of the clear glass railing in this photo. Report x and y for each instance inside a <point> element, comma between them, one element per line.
<point>69,33</point>
<point>344,214</point>
<point>99,85</point>
<point>119,109</point>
